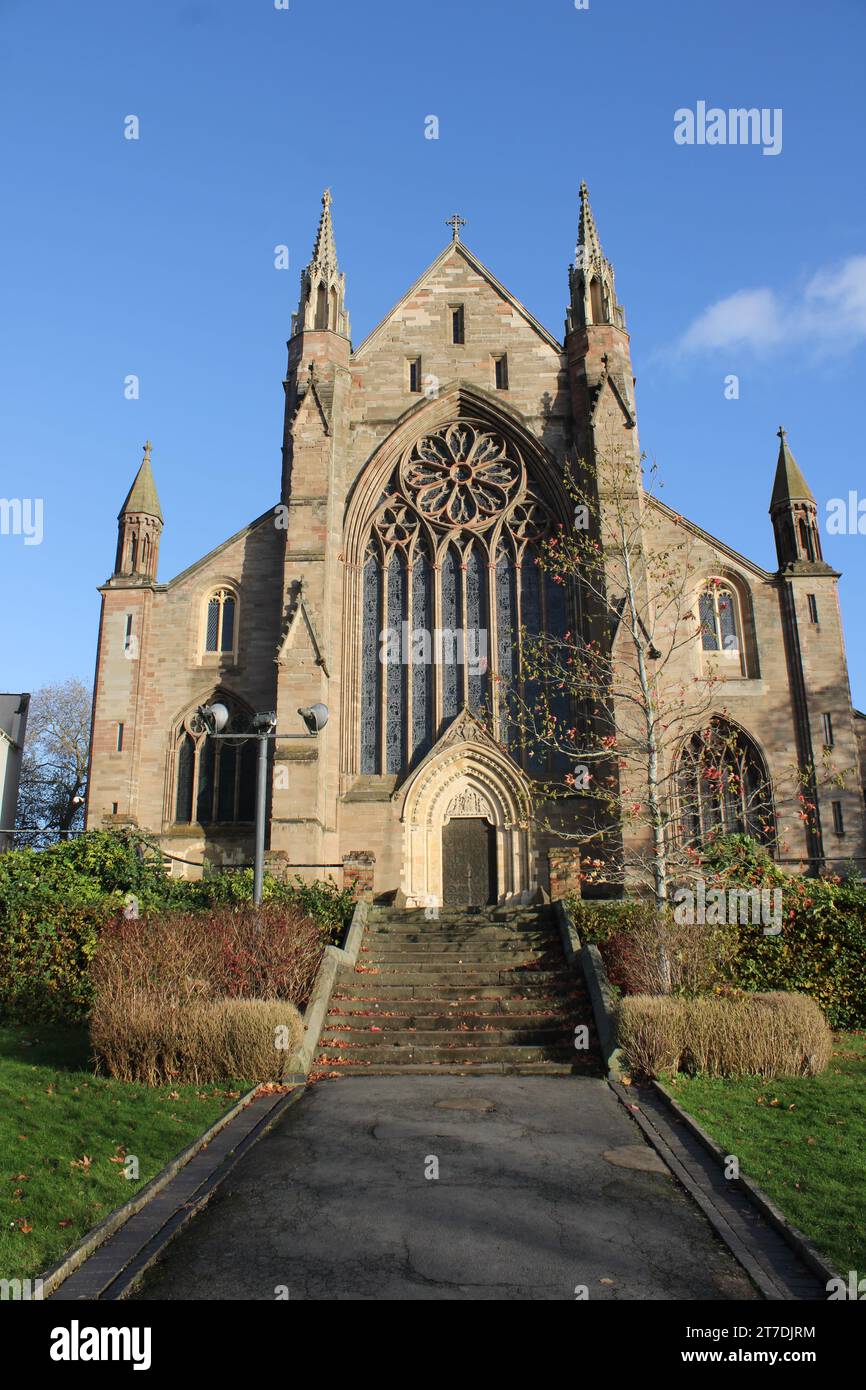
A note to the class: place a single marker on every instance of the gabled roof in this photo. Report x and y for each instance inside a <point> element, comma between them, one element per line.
<point>204,559</point>
<point>459,249</point>
<point>703,535</point>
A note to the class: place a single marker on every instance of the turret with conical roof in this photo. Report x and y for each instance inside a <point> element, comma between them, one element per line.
<point>139,526</point>
<point>794,512</point>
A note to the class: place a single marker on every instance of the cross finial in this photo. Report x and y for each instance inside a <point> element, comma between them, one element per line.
<point>326,198</point>
<point>147,448</point>
<point>781,432</point>
<point>455,222</point>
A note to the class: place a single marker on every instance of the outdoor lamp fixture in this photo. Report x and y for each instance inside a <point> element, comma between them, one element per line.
<point>315,717</point>
<point>214,719</point>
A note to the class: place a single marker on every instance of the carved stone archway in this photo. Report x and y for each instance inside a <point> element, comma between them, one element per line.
<point>466,774</point>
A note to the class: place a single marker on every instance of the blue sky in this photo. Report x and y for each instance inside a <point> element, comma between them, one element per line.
<point>156,256</point>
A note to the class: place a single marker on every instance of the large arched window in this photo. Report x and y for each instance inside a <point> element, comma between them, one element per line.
<point>723,787</point>
<point>214,779</point>
<point>449,580</point>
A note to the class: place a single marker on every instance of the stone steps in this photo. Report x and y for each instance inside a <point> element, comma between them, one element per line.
<point>431,1022</point>
<point>446,957</point>
<point>463,993</point>
<point>441,940</point>
<point>391,1055</point>
<point>477,1032</point>
<point>472,1068</point>
<point>468,993</point>
<point>491,916</point>
<point>469,978</point>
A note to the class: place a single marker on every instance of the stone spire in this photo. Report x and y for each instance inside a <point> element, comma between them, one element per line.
<point>794,512</point>
<point>139,526</point>
<point>142,496</point>
<point>323,288</point>
<point>790,485</point>
<point>591,278</point>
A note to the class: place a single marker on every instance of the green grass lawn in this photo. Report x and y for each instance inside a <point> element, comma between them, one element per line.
<point>62,1130</point>
<point>802,1140</point>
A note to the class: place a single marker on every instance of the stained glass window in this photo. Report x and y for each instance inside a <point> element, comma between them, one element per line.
<point>433,597</point>
<point>507,630</point>
<point>422,669</point>
<point>371,704</point>
<point>395,725</point>
<point>185,766</point>
<point>228,632</point>
<point>709,632</point>
<point>477,628</point>
<point>452,671</point>
<point>723,787</point>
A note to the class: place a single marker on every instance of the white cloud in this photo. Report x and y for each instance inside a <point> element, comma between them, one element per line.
<point>750,316</point>
<point>829,314</point>
<point>836,301</point>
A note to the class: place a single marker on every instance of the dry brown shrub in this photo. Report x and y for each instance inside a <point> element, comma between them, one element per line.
<point>196,997</point>
<point>751,1034</point>
<point>638,957</point>
<point>150,1041</point>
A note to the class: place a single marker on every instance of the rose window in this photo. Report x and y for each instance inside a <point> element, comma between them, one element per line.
<point>462,476</point>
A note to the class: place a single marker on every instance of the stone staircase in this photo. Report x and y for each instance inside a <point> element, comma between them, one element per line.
<point>485,991</point>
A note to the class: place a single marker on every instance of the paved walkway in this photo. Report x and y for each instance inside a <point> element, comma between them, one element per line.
<point>532,1200</point>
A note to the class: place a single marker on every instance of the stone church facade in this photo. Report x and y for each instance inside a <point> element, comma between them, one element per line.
<point>420,471</point>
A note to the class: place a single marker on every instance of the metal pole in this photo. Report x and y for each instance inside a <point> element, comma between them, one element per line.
<point>261,802</point>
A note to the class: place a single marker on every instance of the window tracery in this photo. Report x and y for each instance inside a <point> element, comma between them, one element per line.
<point>448,580</point>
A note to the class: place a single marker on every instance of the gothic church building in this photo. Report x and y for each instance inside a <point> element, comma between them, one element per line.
<point>421,469</point>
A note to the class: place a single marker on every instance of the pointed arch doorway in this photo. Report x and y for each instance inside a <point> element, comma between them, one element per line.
<point>466,814</point>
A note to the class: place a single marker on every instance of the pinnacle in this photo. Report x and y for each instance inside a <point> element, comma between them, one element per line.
<point>325,250</point>
<point>587,236</point>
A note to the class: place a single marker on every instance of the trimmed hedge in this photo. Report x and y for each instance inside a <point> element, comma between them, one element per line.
<point>189,996</point>
<point>147,1041</point>
<point>773,1034</point>
<point>55,903</point>
<point>820,951</point>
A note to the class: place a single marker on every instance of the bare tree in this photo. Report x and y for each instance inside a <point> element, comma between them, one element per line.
<point>625,704</point>
<point>54,765</point>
